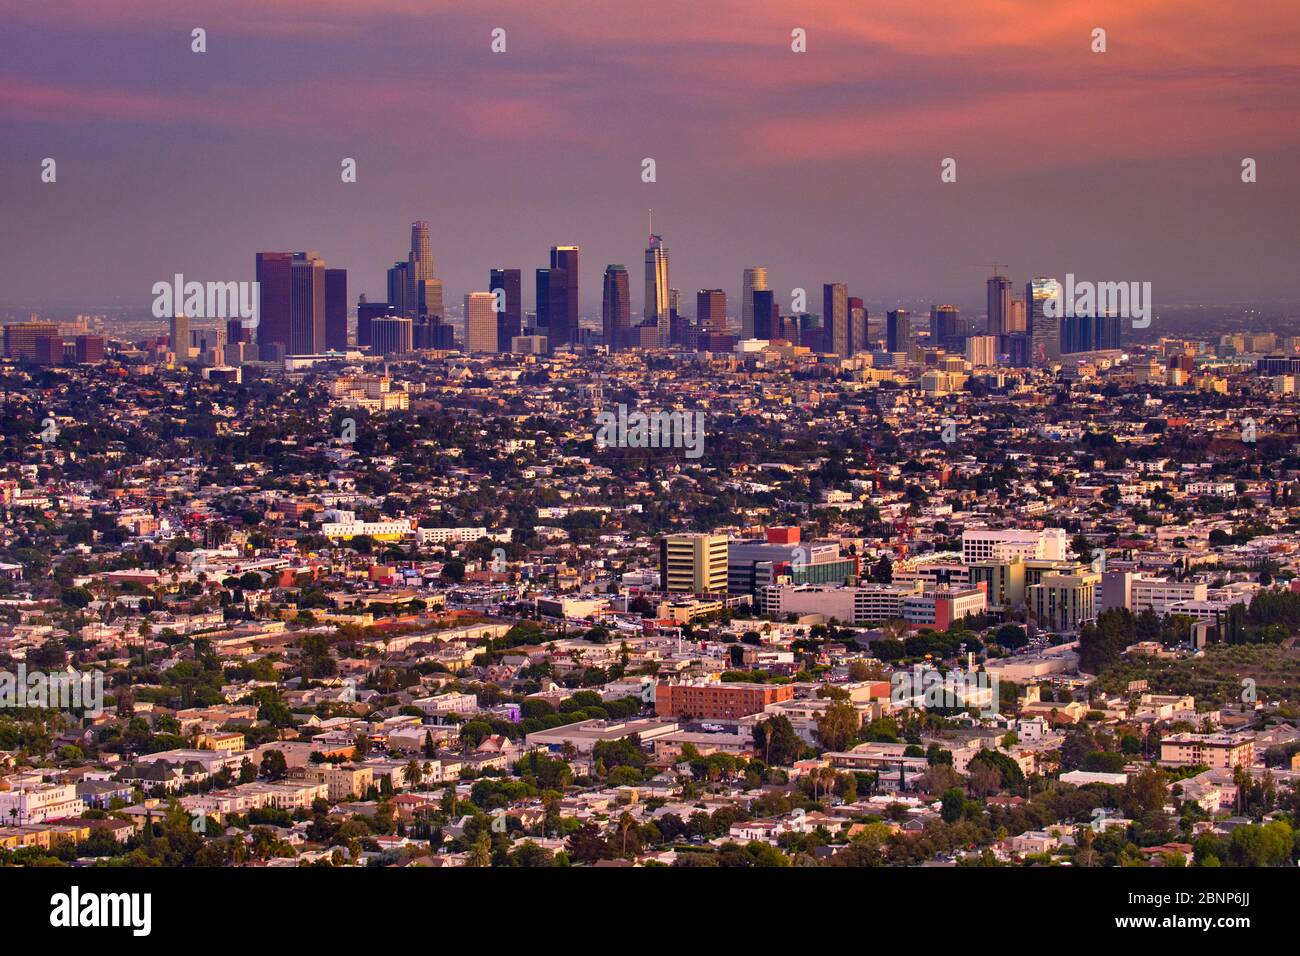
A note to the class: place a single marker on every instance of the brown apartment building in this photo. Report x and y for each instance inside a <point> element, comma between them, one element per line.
<point>710,701</point>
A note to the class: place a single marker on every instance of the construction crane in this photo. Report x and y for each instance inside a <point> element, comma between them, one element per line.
<point>996,266</point>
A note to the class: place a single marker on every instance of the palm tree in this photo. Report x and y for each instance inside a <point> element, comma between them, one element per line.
<point>414,772</point>
<point>481,855</point>
<point>625,823</point>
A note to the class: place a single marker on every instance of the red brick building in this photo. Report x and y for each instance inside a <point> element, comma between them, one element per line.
<point>718,701</point>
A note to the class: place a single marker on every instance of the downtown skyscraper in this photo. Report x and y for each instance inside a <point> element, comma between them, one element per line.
<point>412,287</point>
<point>1044,330</point>
<point>420,296</point>
<point>767,318</point>
<point>336,309</point>
<point>835,320</point>
<point>616,309</point>
<point>754,280</point>
<point>999,305</point>
<point>945,327</point>
<point>858,338</point>
<point>481,322</point>
<point>562,297</point>
<point>510,318</point>
<point>898,331</point>
<point>656,311</point>
<point>307,305</point>
<point>274,293</point>
<point>293,303</point>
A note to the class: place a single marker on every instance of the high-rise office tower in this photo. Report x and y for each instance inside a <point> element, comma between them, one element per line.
<point>711,310</point>
<point>89,348</point>
<point>421,255</point>
<point>20,337</point>
<point>1018,348</point>
<point>367,312</point>
<point>307,305</point>
<point>274,271</point>
<point>419,268</point>
<point>336,309</point>
<point>656,290</point>
<point>999,305</point>
<point>391,335</point>
<point>178,335</point>
<point>480,322</point>
<point>1037,291</point>
<point>400,295</point>
<point>566,305</point>
<point>857,326</point>
<point>981,350</point>
<point>616,309</point>
<point>767,318</point>
<point>755,280</point>
<point>557,310</point>
<point>898,331</point>
<point>1019,315</point>
<point>1045,332</point>
<point>48,350</point>
<point>945,326</point>
<point>428,299</point>
<point>835,319</point>
<point>564,296</point>
<point>693,563</point>
<point>1088,333</point>
<point>509,320</point>
<point>1107,332</point>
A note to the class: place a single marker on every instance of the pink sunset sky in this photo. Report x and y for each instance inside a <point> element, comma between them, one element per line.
<point>822,166</point>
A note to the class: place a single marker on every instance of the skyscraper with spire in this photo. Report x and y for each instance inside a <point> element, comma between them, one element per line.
<point>656,311</point>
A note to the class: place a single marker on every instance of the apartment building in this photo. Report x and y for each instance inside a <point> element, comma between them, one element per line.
<point>40,802</point>
<point>1216,751</point>
<point>343,781</point>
